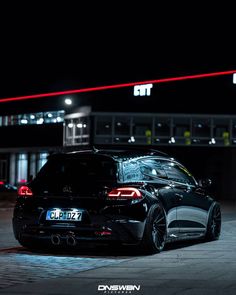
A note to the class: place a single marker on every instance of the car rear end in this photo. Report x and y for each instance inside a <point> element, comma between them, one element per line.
<point>80,198</point>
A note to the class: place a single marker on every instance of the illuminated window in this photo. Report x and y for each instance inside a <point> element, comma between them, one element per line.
<point>33,118</point>
<point>42,159</point>
<point>32,165</point>
<point>22,168</point>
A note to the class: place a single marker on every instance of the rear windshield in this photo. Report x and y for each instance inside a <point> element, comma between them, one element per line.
<point>74,170</point>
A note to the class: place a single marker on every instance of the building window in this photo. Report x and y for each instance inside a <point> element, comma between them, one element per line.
<point>32,167</point>
<point>163,127</point>
<point>22,168</point>
<point>182,130</point>
<point>122,126</point>
<point>42,159</point>
<point>201,128</point>
<point>33,118</point>
<point>103,125</point>
<point>3,170</point>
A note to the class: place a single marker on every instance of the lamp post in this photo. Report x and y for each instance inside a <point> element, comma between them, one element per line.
<point>68,101</point>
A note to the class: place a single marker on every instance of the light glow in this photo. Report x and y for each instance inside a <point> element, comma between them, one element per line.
<point>68,101</point>
<point>132,139</point>
<point>90,89</point>
<point>212,141</point>
<point>127,192</point>
<point>25,191</point>
<point>172,140</point>
<point>23,121</point>
<point>142,90</point>
<point>40,121</point>
<point>234,78</point>
<point>58,119</point>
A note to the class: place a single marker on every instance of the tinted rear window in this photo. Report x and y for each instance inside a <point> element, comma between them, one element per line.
<point>78,169</point>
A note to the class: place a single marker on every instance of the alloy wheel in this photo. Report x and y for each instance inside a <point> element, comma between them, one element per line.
<point>159,229</point>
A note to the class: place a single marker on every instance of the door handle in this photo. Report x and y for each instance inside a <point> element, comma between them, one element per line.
<point>179,196</point>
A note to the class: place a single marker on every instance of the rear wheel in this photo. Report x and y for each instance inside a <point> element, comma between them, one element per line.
<point>214,223</point>
<point>154,236</point>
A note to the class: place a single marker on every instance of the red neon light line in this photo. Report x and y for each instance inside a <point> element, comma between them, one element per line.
<point>90,89</point>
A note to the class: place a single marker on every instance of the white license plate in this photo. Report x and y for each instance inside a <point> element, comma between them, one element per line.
<point>65,215</point>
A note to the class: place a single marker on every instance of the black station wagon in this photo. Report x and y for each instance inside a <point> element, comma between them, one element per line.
<point>129,197</point>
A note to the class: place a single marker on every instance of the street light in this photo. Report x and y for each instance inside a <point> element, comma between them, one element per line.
<point>68,101</point>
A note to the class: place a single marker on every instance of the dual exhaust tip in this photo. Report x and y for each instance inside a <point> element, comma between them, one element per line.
<point>56,240</point>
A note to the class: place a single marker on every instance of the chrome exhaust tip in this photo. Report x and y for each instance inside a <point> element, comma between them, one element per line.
<point>56,239</point>
<point>71,241</point>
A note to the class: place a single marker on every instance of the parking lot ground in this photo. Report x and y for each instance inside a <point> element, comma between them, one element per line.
<point>182,268</point>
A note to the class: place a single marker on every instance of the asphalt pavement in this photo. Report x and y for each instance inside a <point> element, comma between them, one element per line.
<point>182,268</point>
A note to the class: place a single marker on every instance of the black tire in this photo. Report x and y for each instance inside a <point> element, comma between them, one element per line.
<point>214,223</point>
<point>154,236</point>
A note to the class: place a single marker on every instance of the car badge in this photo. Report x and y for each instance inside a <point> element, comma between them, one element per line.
<point>67,189</point>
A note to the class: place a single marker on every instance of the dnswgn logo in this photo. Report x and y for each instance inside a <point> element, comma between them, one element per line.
<point>118,289</point>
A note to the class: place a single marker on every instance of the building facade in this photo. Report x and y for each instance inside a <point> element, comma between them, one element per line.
<point>28,139</point>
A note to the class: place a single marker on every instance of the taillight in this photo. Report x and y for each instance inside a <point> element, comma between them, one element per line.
<point>25,191</point>
<point>125,193</point>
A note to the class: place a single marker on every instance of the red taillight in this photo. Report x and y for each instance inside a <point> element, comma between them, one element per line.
<point>125,193</point>
<point>25,191</point>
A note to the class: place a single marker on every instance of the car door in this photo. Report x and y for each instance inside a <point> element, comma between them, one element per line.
<point>192,202</point>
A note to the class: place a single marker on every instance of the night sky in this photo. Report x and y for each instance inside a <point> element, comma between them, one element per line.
<point>62,48</point>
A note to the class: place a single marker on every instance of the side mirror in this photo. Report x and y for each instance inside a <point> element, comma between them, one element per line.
<point>204,183</point>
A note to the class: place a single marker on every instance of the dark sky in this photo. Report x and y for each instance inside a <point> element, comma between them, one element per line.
<point>56,48</point>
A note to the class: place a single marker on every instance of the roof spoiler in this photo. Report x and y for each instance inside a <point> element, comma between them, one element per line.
<point>142,149</point>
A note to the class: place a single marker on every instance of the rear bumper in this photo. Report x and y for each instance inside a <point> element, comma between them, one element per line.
<point>122,231</point>
<point>123,222</point>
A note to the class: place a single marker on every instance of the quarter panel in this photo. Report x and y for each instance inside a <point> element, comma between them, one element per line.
<point>192,210</point>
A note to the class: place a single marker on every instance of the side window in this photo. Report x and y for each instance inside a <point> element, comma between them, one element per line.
<point>152,169</point>
<point>178,173</point>
<point>131,171</point>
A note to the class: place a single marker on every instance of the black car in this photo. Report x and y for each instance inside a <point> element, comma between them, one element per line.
<point>8,192</point>
<point>7,187</point>
<point>132,197</point>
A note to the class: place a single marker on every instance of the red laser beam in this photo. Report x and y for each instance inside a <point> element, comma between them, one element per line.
<point>90,89</point>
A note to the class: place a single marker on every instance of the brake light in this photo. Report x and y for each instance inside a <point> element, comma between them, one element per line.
<point>25,191</point>
<point>125,193</point>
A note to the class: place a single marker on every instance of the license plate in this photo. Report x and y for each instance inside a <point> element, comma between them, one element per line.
<point>65,215</point>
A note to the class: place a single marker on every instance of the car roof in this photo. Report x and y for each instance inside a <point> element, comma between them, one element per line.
<point>119,153</point>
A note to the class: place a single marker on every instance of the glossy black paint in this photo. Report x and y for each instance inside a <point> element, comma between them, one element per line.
<point>186,204</point>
